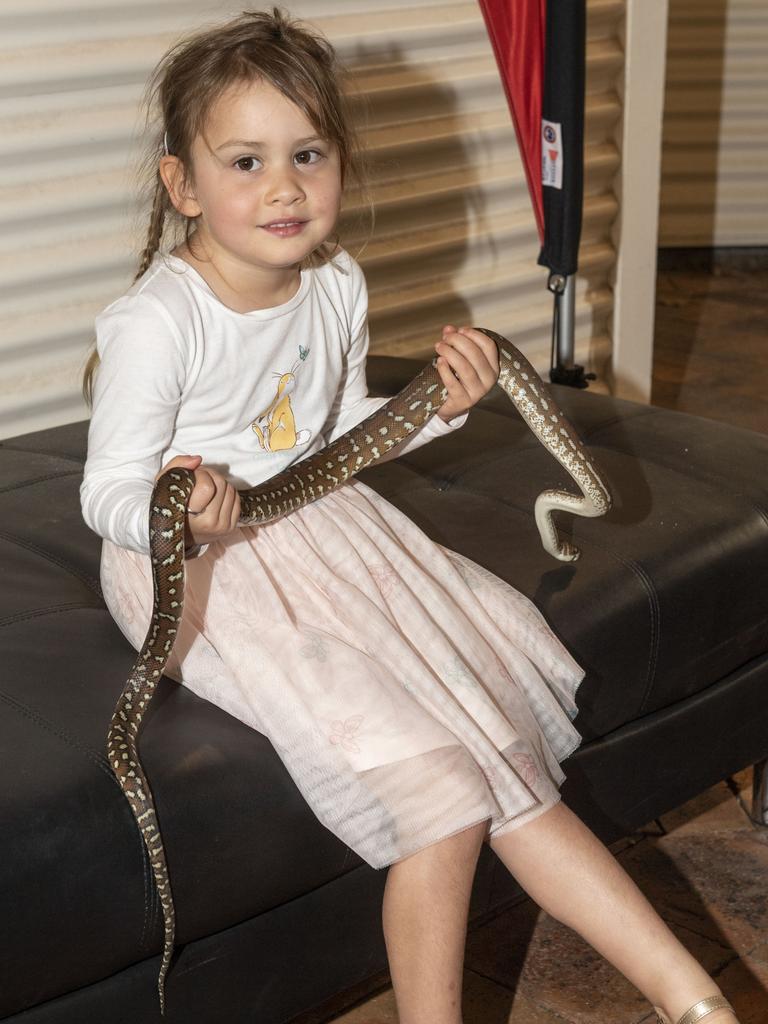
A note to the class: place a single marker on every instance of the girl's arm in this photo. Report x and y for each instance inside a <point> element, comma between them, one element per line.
<point>137,393</point>
<point>353,403</point>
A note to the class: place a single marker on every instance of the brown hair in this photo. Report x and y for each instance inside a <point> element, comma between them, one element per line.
<point>194,72</point>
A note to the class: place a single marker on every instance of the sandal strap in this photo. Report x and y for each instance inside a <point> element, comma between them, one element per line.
<point>703,1008</point>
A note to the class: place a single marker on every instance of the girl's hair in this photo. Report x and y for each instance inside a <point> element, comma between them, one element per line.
<point>190,77</point>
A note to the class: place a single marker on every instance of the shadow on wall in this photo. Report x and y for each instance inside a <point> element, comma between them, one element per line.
<point>428,205</point>
<point>434,216</point>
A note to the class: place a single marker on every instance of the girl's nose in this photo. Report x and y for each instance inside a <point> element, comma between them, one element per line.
<point>284,187</point>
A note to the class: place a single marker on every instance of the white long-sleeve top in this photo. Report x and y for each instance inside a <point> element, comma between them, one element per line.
<point>183,374</point>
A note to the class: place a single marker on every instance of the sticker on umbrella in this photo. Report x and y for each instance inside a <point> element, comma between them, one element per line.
<point>551,154</point>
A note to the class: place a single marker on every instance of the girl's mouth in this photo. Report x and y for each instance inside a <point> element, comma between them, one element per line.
<point>284,228</point>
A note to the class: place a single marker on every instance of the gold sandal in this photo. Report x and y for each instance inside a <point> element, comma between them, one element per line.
<point>701,1009</point>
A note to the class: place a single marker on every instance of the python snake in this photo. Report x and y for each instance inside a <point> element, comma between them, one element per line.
<point>297,486</point>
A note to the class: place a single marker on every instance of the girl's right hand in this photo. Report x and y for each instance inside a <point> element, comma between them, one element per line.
<point>214,504</point>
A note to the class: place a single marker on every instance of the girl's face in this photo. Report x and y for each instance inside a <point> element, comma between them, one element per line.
<point>267,188</point>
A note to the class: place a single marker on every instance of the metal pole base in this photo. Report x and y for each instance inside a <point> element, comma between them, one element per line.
<point>563,370</point>
<point>572,376</point>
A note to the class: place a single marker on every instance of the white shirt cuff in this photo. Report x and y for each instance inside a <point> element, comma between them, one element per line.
<point>442,426</point>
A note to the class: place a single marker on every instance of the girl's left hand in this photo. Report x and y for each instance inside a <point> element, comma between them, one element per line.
<point>468,363</point>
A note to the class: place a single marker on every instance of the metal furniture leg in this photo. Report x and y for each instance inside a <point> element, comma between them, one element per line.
<point>760,794</point>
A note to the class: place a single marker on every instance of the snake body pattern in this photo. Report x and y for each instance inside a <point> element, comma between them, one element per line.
<point>295,487</point>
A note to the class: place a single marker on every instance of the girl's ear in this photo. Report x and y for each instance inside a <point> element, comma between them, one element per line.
<point>179,189</point>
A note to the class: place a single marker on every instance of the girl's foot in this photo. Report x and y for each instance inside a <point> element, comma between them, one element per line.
<point>712,1010</point>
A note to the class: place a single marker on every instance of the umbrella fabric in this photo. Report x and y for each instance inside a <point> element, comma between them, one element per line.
<point>540,50</point>
<point>517,33</point>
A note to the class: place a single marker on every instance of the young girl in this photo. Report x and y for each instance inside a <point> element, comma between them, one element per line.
<point>421,705</point>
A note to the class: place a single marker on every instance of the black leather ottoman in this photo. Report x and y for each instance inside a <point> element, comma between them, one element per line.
<point>666,609</point>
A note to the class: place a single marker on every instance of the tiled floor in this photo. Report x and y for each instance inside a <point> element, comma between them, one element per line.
<point>711,352</point>
<point>705,869</point>
<point>705,865</point>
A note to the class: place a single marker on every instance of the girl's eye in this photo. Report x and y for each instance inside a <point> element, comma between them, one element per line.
<point>247,160</point>
<point>308,156</point>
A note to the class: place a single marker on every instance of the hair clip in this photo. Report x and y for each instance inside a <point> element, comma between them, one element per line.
<point>165,143</point>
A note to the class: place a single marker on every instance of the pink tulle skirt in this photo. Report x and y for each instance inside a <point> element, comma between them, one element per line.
<point>409,692</point>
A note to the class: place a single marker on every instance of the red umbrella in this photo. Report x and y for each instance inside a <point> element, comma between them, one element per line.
<point>540,50</point>
<point>517,29</point>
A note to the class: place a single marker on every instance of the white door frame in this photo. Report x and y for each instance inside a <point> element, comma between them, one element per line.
<point>637,187</point>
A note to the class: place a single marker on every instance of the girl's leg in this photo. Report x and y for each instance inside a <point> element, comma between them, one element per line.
<point>425,911</point>
<point>565,868</point>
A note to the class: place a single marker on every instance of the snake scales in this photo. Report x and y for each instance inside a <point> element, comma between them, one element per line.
<point>297,486</point>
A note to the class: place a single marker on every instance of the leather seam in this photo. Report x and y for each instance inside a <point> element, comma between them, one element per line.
<point>37,451</point>
<point>89,581</point>
<point>38,480</point>
<point>617,421</point>
<point>52,609</point>
<point>100,761</point>
<point>583,432</point>
<point>655,630</point>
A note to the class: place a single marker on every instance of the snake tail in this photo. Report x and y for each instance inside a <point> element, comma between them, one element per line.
<point>166,530</point>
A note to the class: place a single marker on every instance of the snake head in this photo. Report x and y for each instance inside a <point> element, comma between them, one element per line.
<point>567,552</point>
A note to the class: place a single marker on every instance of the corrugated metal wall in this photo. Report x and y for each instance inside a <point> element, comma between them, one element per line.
<point>714,187</point>
<point>455,239</point>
